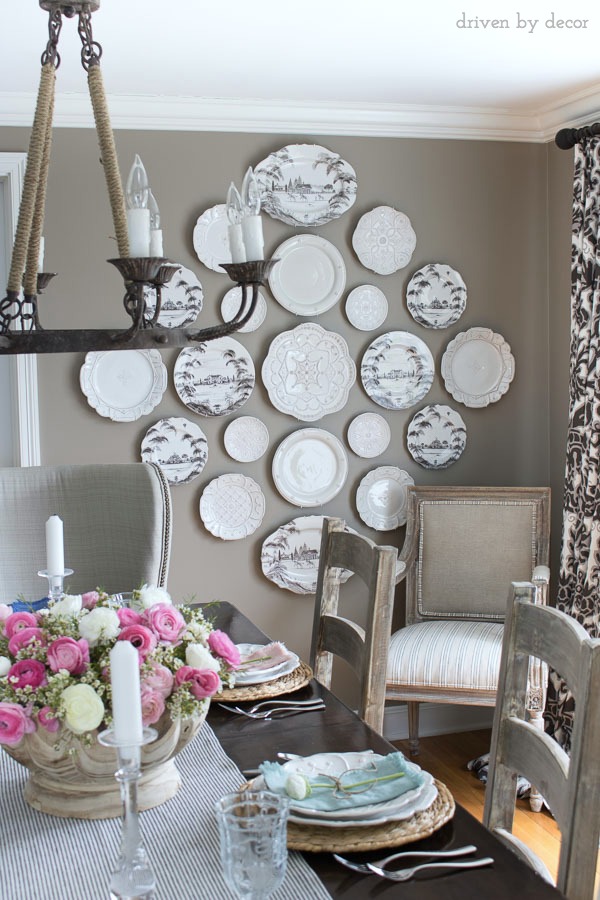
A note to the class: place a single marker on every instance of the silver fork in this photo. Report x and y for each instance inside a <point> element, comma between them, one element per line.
<point>280,711</point>
<point>316,701</point>
<point>406,874</point>
<point>405,854</point>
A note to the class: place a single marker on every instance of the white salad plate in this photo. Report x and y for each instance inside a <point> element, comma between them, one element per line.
<point>384,240</point>
<point>310,276</point>
<point>246,439</point>
<point>123,384</point>
<point>478,367</point>
<point>305,184</point>
<point>214,378</point>
<point>231,303</point>
<point>369,435</point>
<point>308,372</point>
<point>261,676</point>
<point>211,238</point>
<point>381,498</point>
<point>178,446</point>
<point>436,436</point>
<point>397,370</point>
<point>232,506</point>
<point>366,307</point>
<point>290,555</point>
<point>310,467</point>
<point>181,299</point>
<point>436,296</point>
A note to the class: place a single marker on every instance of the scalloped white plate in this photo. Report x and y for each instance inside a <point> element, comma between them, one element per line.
<point>369,435</point>
<point>231,303</point>
<point>478,367</point>
<point>123,385</point>
<point>214,378</point>
<point>384,240</point>
<point>397,370</point>
<point>232,506</point>
<point>211,239</point>
<point>178,446</point>
<point>366,307</point>
<point>246,439</point>
<point>381,498</point>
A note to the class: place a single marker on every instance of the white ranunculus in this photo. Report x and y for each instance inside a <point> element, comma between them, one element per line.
<point>149,594</point>
<point>5,665</point>
<point>84,710</point>
<point>297,786</point>
<point>70,605</point>
<point>199,657</point>
<point>100,624</point>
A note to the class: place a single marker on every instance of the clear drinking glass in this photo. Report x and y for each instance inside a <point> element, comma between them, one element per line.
<point>253,831</point>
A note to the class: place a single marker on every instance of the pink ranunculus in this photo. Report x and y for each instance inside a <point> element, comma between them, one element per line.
<point>221,644</point>
<point>202,682</point>
<point>27,672</point>
<point>24,637</point>
<point>14,723</point>
<point>67,653</point>
<point>141,637</point>
<point>17,621</point>
<point>89,599</point>
<point>128,616</point>
<point>159,679</point>
<point>166,622</point>
<point>47,719</point>
<point>153,706</point>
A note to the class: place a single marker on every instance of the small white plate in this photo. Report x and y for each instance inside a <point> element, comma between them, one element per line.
<point>310,467</point>
<point>436,437</point>
<point>366,307</point>
<point>384,240</point>
<point>381,498</point>
<point>211,239</point>
<point>310,276</point>
<point>369,435</point>
<point>178,446</point>
<point>231,303</point>
<point>123,385</point>
<point>232,506</point>
<point>246,439</point>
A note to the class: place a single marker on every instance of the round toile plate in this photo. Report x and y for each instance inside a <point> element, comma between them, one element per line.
<point>293,681</point>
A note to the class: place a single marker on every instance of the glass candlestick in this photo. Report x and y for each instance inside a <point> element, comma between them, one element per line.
<point>55,583</point>
<point>132,878</point>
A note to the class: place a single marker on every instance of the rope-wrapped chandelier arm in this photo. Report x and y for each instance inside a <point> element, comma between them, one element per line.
<point>30,282</point>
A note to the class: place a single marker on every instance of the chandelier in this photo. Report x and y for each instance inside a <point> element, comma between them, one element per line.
<point>136,222</point>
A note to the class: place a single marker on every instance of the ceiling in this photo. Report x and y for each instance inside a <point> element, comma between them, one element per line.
<point>361,65</point>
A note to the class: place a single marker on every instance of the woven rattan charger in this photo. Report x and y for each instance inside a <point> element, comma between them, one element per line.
<point>293,681</point>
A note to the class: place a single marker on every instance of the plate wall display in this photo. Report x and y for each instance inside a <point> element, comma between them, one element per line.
<point>123,384</point>
<point>305,184</point>
<point>366,307</point>
<point>178,446</point>
<point>310,467</point>
<point>211,239</point>
<point>231,303</point>
<point>478,367</point>
<point>290,556</point>
<point>232,506</point>
<point>369,435</point>
<point>436,296</point>
<point>181,299</point>
<point>310,276</point>
<point>214,378</point>
<point>436,436</point>
<point>308,372</point>
<point>382,497</point>
<point>246,439</point>
<point>397,370</point>
<point>384,240</point>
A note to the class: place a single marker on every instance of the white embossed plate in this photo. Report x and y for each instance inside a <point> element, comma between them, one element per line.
<point>381,497</point>
<point>178,446</point>
<point>310,467</point>
<point>232,506</point>
<point>123,384</point>
<point>436,436</point>
<point>211,240</point>
<point>261,676</point>
<point>231,303</point>
<point>308,372</point>
<point>436,296</point>
<point>290,556</point>
<point>369,435</point>
<point>397,370</point>
<point>181,299</point>
<point>246,439</point>
<point>214,378</point>
<point>478,367</point>
<point>384,240</point>
<point>366,307</point>
<point>310,276</point>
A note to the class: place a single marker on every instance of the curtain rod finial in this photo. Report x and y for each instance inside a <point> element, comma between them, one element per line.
<point>565,138</point>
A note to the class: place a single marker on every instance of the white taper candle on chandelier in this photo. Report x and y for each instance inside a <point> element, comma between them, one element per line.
<point>252,229</point>
<point>55,550</point>
<point>156,235</point>
<point>41,254</point>
<point>137,195</point>
<point>126,698</point>
<point>234,229</point>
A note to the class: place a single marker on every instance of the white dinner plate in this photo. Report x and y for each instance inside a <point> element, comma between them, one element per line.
<point>310,276</point>
<point>261,676</point>
<point>123,385</point>
<point>381,498</point>
<point>231,303</point>
<point>290,556</point>
<point>310,467</point>
<point>178,446</point>
<point>478,367</point>
<point>214,378</point>
<point>397,370</point>
<point>232,506</point>
<point>211,238</point>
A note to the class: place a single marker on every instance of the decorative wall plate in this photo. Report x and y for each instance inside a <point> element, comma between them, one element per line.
<point>246,439</point>
<point>436,437</point>
<point>478,367</point>
<point>305,184</point>
<point>178,446</point>
<point>211,240</point>
<point>397,370</point>
<point>123,384</point>
<point>231,303</point>
<point>436,296</point>
<point>181,299</point>
<point>369,435</point>
<point>310,467</point>
<point>366,307</point>
<point>232,506</point>
<point>308,372</point>
<point>384,240</point>
<point>290,556</point>
<point>214,378</point>
<point>381,497</point>
<point>310,276</point>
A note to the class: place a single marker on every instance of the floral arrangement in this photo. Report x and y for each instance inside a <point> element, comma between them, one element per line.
<point>55,664</point>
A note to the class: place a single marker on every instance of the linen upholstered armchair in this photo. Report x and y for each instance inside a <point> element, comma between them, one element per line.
<point>463,548</point>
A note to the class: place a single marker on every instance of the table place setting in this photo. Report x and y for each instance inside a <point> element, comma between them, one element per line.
<point>264,671</point>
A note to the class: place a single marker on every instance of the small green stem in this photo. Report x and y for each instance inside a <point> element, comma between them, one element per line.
<point>349,787</point>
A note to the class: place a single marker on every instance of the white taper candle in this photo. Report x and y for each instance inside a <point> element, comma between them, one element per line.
<point>126,698</point>
<point>55,551</point>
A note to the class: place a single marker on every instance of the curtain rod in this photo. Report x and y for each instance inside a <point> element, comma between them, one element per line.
<point>566,138</point>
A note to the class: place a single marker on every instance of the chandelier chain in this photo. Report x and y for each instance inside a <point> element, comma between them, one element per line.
<point>51,54</point>
<point>91,51</point>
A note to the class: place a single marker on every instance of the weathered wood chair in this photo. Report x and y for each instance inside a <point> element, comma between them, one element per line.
<point>365,649</point>
<point>570,785</point>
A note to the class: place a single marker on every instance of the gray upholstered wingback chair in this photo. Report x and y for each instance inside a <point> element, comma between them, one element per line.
<point>117,526</point>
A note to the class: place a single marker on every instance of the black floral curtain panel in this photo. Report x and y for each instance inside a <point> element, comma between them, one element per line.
<point>579,575</point>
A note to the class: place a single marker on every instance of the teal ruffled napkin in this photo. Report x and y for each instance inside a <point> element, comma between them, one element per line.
<point>390,777</point>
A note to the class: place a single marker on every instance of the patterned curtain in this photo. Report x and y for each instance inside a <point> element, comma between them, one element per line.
<point>579,575</point>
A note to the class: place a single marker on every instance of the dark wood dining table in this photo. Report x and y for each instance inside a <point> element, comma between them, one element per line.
<point>337,728</point>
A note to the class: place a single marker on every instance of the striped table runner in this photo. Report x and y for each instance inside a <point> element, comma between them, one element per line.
<point>48,858</point>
